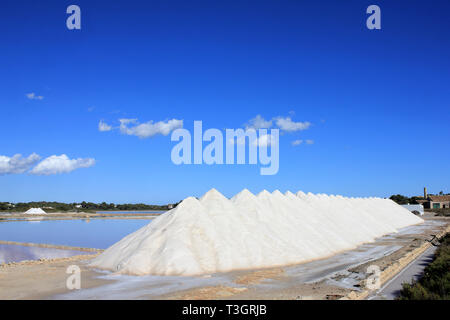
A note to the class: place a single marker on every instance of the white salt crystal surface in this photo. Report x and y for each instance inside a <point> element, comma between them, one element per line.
<point>216,234</point>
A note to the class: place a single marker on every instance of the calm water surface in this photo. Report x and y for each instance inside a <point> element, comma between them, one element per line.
<point>92,233</point>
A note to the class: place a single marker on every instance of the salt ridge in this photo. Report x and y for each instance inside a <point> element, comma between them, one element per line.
<point>216,234</point>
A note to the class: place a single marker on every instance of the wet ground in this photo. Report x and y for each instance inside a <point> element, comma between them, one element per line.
<point>16,253</point>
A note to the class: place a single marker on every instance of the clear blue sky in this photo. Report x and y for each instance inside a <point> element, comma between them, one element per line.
<point>378,101</point>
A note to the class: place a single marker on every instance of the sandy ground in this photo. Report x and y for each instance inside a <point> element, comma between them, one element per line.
<point>44,278</point>
<point>330,278</point>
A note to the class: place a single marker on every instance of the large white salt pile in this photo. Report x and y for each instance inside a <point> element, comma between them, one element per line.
<point>216,234</point>
<point>35,211</point>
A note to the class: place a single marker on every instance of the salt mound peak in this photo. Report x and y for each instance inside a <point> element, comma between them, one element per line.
<point>243,195</point>
<point>188,202</point>
<point>320,195</point>
<point>311,195</point>
<point>301,194</point>
<point>215,234</point>
<point>289,194</point>
<point>35,211</point>
<point>277,193</point>
<point>264,194</point>
<point>212,195</point>
<point>187,207</point>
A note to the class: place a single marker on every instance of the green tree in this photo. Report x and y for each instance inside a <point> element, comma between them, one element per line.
<point>400,199</point>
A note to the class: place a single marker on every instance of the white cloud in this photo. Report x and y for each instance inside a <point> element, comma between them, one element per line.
<point>127,121</point>
<point>283,123</point>
<point>286,124</point>
<point>61,164</point>
<point>33,96</point>
<point>17,164</point>
<point>149,129</point>
<point>258,122</point>
<point>299,142</point>
<point>103,126</point>
<point>264,140</point>
<point>237,141</point>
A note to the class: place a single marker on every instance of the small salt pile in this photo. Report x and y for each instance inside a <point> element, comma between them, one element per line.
<point>216,234</point>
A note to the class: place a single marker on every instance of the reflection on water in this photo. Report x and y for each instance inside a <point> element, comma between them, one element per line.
<point>16,253</point>
<point>75,233</point>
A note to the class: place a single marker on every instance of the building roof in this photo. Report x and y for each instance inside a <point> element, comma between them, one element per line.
<point>439,198</point>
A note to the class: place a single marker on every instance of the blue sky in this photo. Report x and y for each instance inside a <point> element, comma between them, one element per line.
<point>377,100</point>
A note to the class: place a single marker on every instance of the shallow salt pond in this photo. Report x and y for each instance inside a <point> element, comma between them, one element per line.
<point>94,233</point>
<point>17,253</point>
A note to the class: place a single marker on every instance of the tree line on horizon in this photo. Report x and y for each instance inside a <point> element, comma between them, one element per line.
<point>401,199</point>
<point>53,206</point>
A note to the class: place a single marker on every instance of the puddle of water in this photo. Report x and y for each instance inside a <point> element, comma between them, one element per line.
<point>17,253</point>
